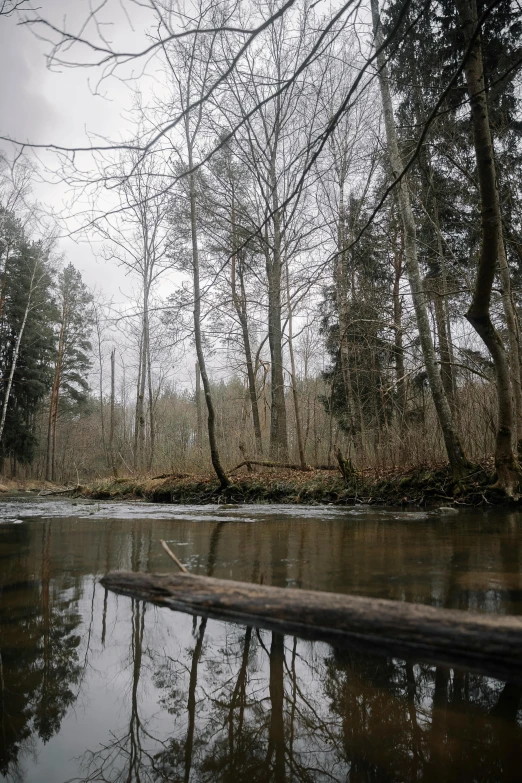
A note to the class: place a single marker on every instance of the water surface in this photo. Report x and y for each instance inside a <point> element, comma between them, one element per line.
<point>98,687</point>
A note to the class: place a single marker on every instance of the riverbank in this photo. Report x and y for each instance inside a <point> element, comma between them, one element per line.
<point>419,486</point>
<point>9,486</point>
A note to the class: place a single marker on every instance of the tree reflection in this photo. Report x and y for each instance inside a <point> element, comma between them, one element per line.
<point>200,701</point>
<point>38,654</point>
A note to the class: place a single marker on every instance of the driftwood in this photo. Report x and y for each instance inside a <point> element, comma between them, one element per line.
<point>170,475</point>
<point>44,493</point>
<point>267,464</point>
<point>489,644</point>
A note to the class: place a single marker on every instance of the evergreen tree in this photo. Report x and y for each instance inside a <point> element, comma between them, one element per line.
<point>26,316</point>
<point>72,360</point>
<point>356,398</point>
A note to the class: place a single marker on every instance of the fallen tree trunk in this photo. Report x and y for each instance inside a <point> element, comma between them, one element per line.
<point>267,464</point>
<point>77,488</point>
<point>489,644</point>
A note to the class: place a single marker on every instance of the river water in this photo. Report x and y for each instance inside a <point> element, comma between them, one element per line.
<point>99,687</point>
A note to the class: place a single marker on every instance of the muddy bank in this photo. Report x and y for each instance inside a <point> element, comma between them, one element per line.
<point>420,486</point>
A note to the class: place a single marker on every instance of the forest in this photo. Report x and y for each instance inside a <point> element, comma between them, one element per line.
<point>318,211</point>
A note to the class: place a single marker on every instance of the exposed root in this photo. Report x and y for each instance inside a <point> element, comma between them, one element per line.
<point>420,486</point>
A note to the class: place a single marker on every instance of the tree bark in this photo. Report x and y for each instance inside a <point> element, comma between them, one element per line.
<point>274,268</point>
<point>454,448</point>
<point>211,419</point>
<point>240,305</point>
<point>152,427</point>
<point>139,439</point>
<point>439,294</point>
<point>199,416</point>
<point>16,353</point>
<point>513,330</point>
<point>341,290</point>
<point>112,422</point>
<point>55,396</point>
<point>483,642</point>
<point>507,467</point>
<point>300,446</point>
<point>398,346</point>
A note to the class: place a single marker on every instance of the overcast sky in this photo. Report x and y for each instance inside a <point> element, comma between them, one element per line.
<point>40,105</point>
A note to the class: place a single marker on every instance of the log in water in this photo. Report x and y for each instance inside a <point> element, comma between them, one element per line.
<point>490,644</point>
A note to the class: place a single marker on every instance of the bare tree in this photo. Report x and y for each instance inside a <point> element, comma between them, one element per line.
<point>189,72</point>
<point>138,239</point>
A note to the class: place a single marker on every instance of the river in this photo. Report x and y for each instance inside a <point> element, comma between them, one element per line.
<point>100,687</point>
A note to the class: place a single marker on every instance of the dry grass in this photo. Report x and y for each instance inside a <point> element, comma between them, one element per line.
<point>425,485</point>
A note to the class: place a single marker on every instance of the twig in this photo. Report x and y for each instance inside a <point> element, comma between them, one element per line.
<point>171,554</point>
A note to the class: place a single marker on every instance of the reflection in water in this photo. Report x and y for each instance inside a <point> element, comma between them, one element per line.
<point>96,687</point>
<point>39,663</point>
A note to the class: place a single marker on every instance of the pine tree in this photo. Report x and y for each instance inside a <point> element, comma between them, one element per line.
<point>72,361</point>
<point>26,316</point>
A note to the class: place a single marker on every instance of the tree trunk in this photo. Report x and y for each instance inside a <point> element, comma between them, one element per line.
<point>14,362</point>
<point>152,428</point>
<point>199,415</point>
<point>278,427</point>
<point>100,385</point>
<point>485,642</point>
<point>302,460</point>
<point>508,469</point>
<point>341,290</point>
<point>214,452</point>
<point>240,304</point>
<point>439,294</point>
<point>139,437</point>
<point>451,439</point>
<point>55,395</point>
<point>398,347</point>
<point>513,330</point>
<point>112,417</point>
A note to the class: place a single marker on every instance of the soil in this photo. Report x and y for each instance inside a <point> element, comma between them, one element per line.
<point>420,486</point>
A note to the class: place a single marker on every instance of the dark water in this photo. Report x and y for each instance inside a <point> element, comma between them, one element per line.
<point>96,687</point>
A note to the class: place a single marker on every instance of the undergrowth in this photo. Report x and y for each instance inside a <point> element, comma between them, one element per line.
<point>421,486</point>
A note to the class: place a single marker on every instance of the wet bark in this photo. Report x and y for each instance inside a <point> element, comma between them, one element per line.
<point>486,643</point>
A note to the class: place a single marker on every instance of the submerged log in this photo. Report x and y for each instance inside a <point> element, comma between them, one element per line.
<point>489,644</point>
